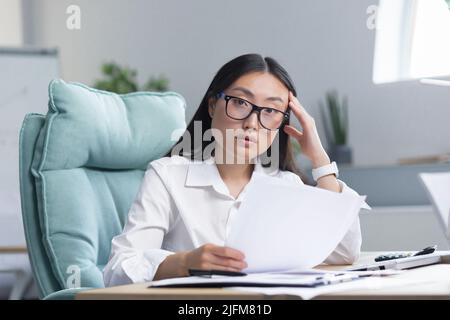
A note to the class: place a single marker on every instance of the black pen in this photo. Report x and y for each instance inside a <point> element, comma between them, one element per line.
<point>209,273</point>
<point>427,250</point>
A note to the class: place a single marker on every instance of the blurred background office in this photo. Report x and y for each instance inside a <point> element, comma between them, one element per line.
<point>357,65</point>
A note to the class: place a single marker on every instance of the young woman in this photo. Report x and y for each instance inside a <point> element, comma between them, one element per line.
<point>182,212</point>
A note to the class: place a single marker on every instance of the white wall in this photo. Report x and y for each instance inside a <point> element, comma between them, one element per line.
<point>401,228</point>
<point>324,44</point>
<point>11,23</point>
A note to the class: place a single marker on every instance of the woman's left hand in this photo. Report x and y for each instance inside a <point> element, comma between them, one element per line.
<point>309,138</point>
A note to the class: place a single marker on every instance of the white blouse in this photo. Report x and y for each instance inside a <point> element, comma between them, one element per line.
<point>183,204</point>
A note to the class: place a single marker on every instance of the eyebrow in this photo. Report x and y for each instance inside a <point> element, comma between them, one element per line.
<point>251,95</point>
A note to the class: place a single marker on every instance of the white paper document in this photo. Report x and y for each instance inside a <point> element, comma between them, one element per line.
<point>437,185</point>
<point>284,225</point>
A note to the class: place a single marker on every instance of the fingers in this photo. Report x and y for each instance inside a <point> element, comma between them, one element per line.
<point>298,110</point>
<point>293,132</point>
<point>227,262</point>
<point>227,252</point>
<point>219,267</point>
<point>212,266</point>
<point>295,100</point>
<point>211,256</point>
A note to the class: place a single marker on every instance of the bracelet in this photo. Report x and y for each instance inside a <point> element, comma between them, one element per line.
<point>325,170</point>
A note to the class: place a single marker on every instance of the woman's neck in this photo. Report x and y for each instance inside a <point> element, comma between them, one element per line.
<point>235,172</point>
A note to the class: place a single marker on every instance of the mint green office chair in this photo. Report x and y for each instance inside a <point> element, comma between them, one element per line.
<point>81,165</point>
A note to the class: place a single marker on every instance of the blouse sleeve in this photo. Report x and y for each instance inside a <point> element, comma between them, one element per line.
<point>349,249</point>
<point>136,253</point>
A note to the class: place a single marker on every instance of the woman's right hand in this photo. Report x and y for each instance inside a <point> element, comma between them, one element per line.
<point>208,256</point>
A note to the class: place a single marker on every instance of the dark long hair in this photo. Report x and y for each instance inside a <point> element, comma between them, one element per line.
<point>226,75</point>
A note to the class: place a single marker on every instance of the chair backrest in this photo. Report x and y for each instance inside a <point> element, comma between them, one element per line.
<point>80,168</point>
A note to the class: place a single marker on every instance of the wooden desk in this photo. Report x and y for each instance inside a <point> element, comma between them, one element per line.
<point>13,249</point>
<point>436,287</point>
<point>23,278</point>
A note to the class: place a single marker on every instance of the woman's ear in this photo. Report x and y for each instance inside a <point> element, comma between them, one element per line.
<point>211,107</point>
<point>211,111</point>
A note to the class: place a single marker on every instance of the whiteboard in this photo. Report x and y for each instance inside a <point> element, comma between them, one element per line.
<point>24,77</point>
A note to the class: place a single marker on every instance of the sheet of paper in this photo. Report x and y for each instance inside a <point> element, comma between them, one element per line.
<point>282,225</point>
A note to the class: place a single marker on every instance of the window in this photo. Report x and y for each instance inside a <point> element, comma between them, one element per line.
<point>412,40</point>
<point>11,23</point>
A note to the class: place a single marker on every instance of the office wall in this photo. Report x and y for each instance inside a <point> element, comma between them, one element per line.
<point>323,43</point>
<point>401,228</point>
<point>11,33</point>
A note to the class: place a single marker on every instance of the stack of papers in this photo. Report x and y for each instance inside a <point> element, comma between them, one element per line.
<point>307,279</point>
<point>282,225</point>
<point>304,284</point>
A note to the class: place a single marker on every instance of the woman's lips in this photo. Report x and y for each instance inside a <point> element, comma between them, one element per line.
<point>246,141</point>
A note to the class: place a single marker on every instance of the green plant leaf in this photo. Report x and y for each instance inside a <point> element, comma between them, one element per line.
<point>326,123</point>
<point>296,148</point>
<point>119,79</point>
<point>345,119</point>
<point>160,83</point>
<point>334,117</point>
<point>338,117</point>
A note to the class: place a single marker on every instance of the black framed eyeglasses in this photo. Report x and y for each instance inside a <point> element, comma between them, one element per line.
<point>239,109</point>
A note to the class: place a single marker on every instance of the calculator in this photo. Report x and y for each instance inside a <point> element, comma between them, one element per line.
<point>391,256</point>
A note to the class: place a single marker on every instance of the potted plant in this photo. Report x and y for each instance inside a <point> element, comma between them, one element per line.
<point>335,119</point>
<point>122,80</point>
